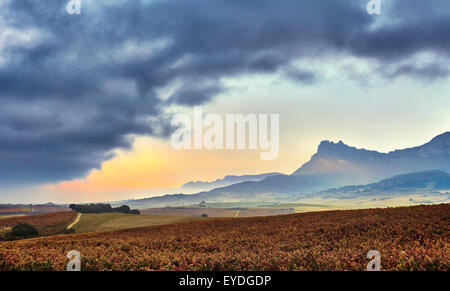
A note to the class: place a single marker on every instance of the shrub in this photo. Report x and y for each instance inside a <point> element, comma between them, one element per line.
<point>122,209</point>
<point>69,231</point>
<point>22,230</point>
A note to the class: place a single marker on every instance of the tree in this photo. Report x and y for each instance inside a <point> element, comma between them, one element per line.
<point>122,209</point>
<point>22,230</point>
<point>101,208</point>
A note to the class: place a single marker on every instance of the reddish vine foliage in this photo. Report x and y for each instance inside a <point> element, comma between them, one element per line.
<point>46,224</point>
<point>408,238</point>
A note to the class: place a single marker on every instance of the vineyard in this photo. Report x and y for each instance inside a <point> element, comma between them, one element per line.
<point>46,224</point>
<point>408,238</point>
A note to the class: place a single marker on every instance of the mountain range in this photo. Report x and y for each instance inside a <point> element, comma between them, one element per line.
<point>370,165</point>
<point>334,165</point>
<point>337,164</point>
<point>226,181</point>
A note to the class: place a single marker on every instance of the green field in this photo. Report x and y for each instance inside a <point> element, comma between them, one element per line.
<point>114,221</point>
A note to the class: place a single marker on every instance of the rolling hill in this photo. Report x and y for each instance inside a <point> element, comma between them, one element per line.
<point>408,238</point>
<point>113,221</point>
<point>412,182</point>
<point>46,224</point>
<point>226,181</point>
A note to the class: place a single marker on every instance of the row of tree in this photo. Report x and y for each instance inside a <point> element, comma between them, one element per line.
<point>101,208</point>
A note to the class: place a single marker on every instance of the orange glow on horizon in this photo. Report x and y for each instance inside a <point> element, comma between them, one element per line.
<point>153,164</point>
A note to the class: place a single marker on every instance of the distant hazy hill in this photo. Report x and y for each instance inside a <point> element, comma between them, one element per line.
<point>419,181</point>
<point>226,181</point>
<point>282,184</point>
<point>426,181</point>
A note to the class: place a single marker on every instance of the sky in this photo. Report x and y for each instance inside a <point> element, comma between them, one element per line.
<point>86,101</point>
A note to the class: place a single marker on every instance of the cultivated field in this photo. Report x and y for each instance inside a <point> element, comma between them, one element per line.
<point>8,211</point>
<point>90,222</point>
<point>408,238</point>
<point>216,212</point>
<point>46,224</point>
<point>14,209</point>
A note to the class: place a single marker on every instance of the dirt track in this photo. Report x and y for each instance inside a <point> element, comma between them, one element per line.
<point>75,221</point>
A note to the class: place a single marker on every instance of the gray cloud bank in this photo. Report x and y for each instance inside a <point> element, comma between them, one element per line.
<point>75,87</point>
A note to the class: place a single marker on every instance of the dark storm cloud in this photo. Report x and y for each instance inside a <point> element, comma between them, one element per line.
<point>300,76</point>
<point>191,96</point>
<point>75,87</point>
<point>425,73</point>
